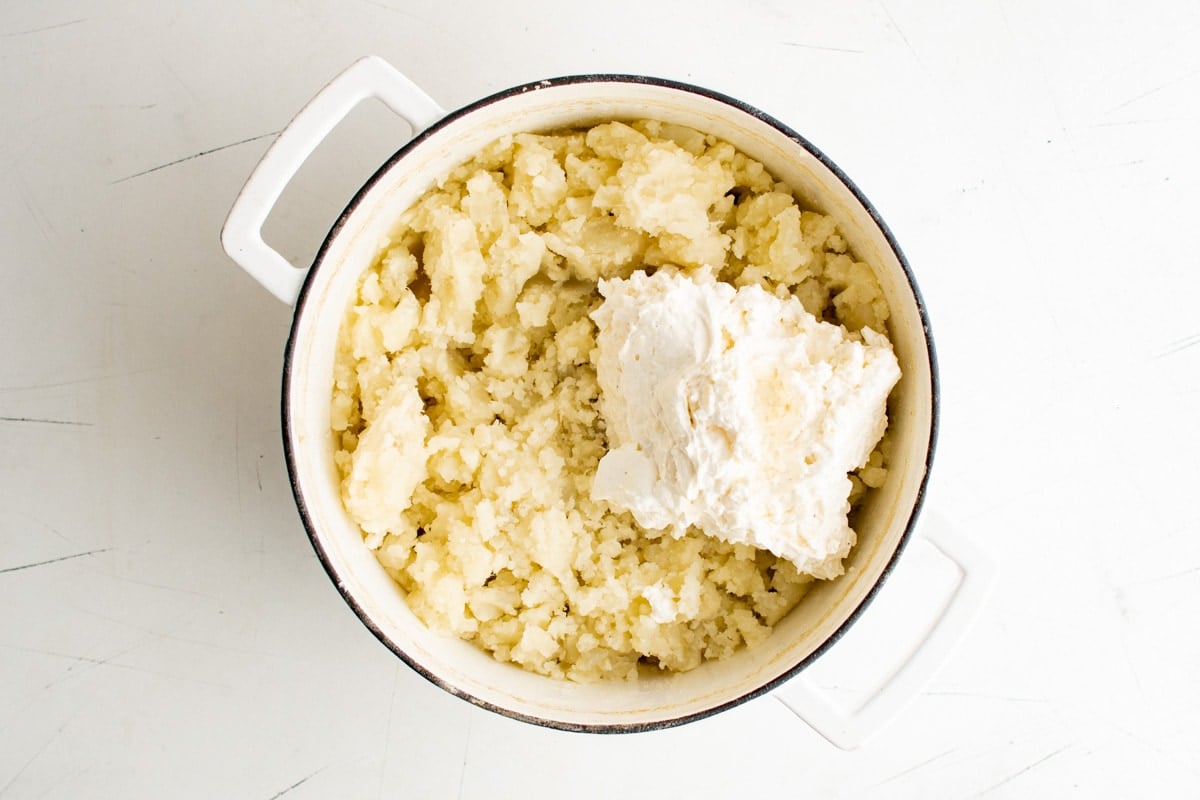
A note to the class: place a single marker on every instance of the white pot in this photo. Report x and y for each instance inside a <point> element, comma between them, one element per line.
<point>320,295</point>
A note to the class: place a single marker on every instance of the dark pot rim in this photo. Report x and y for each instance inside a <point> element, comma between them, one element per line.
<point>302,304</point>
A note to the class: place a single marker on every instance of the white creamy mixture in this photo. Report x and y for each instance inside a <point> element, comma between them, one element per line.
<point>737,412</point>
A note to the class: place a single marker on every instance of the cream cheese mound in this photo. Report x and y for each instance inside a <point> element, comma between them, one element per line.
<point>736,412</point>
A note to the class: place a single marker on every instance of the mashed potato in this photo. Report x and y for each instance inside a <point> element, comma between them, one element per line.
<point>465,404</point>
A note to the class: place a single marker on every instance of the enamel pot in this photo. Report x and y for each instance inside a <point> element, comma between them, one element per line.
<point>320,294</point>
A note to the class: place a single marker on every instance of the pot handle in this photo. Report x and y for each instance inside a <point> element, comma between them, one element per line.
<point>370,77</point>
<point>849,729</point>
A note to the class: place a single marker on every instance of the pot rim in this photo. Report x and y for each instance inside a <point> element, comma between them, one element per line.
<point>301,307</point>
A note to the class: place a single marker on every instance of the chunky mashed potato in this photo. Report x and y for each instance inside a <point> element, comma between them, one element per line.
<point>465,405</point>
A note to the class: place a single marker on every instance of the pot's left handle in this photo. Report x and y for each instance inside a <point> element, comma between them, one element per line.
<point>368,78</point>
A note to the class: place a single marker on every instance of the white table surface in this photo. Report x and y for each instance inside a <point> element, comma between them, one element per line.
<point>165,628</point>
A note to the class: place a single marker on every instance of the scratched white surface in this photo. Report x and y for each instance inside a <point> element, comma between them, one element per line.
<point>165,630</point>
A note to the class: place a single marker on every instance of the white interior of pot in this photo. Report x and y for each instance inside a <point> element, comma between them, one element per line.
<point>460,666</point>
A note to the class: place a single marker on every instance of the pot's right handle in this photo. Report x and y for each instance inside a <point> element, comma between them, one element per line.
<point>370,77</point>
<point>848,730</point>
